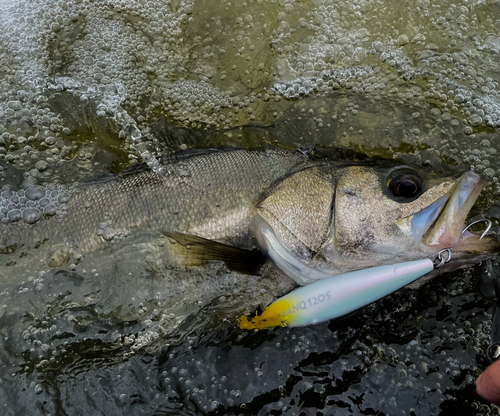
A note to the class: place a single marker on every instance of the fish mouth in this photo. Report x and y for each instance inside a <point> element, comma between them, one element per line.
<point>440,225</point>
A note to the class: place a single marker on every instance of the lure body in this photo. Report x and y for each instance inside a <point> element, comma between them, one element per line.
<point>337,296</point>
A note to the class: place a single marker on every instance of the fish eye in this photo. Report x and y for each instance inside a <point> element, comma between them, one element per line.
<point>405,185</point>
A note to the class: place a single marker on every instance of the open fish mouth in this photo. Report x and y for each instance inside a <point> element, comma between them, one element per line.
<point>440,225</point>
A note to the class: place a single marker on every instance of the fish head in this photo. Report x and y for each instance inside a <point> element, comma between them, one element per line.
<point>402,214</point>
<point>353,217</point>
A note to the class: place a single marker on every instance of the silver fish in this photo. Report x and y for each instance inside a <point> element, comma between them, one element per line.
<point>328,217</point>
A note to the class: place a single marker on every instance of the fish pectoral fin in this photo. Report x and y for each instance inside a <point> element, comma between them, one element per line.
<point>191,250</point>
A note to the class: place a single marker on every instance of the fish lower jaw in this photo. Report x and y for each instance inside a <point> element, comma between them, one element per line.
<point>444,220</point>
<point>444,242</point>
<point>468,243</point>
<point>474,244</point>
<point>447,236</point>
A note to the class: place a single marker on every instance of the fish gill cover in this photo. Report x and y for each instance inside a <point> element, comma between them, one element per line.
<point>88,88</point>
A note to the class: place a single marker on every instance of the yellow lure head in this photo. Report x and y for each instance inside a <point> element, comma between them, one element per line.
<point>272,316</point>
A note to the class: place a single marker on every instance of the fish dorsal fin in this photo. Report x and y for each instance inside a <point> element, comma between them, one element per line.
<point>191,250</point>
<point>175,157</point>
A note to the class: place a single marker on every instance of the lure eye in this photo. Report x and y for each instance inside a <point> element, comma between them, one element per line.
<point>405,185</point>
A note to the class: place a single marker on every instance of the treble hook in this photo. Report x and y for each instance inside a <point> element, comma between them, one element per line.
<point>488,227</point>
<point>440,260</point>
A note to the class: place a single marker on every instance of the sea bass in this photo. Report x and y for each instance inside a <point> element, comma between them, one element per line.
<point>314,218</point>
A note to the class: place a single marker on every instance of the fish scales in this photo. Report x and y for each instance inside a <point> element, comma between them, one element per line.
<point>211,196</point>
<point>321,217</point>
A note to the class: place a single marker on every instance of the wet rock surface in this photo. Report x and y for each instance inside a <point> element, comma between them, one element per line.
<point>90,88</point>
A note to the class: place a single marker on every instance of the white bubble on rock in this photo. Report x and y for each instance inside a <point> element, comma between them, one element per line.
<point>126,59</point>
<point>109,55</point>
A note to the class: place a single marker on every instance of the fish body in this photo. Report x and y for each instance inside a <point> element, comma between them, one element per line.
<point>211,195</point>
<point>327,217</point>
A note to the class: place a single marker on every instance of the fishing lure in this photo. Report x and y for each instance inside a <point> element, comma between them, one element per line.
<point>337,296</point>
<point>333,297</point>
